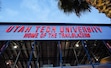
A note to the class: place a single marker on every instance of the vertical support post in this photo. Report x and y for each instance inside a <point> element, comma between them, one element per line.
<point>60,53</point>
<point>37,65</point>
<point>4,47</point>
<point>16,59</point>
<point>87,53</point>
<point>107,45</point>
<point>57,55</point>
<point>31,55</point>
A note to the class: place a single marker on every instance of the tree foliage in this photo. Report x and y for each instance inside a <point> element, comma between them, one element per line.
<point>76,6</point>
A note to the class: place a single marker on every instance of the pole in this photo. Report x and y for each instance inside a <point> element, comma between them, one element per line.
<point>16,59</point>
<point>60,54</point>
<point>57,56</point>
<point>31,55</point>
<point>87,53</point>
<point>37,64</point>
<point>75,55</point>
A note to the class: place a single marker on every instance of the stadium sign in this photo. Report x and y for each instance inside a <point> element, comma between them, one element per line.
<point>54,32</point>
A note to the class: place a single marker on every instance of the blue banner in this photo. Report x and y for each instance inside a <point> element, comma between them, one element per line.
<point>54,32</point>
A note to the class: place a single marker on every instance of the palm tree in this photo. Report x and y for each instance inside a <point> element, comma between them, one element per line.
<point>80,6</point>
